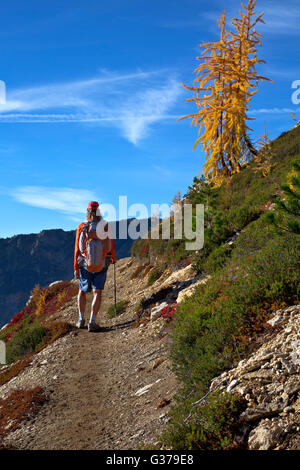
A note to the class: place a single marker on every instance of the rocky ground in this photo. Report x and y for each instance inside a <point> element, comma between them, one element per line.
<point>113,389</point>
<point>269,381</point>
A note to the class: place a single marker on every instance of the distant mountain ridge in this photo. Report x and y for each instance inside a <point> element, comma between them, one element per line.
<point>27,260</point>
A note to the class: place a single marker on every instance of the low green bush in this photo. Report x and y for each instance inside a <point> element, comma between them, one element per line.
<point>256,236</point>
<point>243,216</point>
<point>26,341</point>
<point>209,425</point>
<point>120,308</point>
<point>153,276</point>
<point>217,258</point>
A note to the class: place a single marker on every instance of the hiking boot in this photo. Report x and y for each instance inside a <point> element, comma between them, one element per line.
<point>80,324</point>
<point>92,326</point>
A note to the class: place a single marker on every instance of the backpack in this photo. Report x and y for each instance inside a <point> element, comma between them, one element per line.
<point>95,249</point>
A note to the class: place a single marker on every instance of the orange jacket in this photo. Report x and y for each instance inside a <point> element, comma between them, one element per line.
<point>77,250</point>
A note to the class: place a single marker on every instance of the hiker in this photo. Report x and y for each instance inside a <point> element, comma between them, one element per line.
<point>92,257</point>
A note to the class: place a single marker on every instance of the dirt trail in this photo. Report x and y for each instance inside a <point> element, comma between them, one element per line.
<point>95,381</point>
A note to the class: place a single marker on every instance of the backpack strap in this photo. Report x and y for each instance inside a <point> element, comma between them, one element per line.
<point>77,250</point>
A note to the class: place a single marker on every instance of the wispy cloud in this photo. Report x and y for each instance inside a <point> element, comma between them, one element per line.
<point>273,111</point>
<point>66,200</point>
<point>283,74</point>
<point>130,102</point>
<point>281,18</point>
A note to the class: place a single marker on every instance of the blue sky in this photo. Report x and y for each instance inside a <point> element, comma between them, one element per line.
<point>93,92</point>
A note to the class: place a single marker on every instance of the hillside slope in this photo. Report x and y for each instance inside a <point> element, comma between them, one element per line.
<point>252,270</point>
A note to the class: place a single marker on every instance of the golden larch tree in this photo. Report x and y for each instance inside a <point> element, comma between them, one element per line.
<point>225,83</point>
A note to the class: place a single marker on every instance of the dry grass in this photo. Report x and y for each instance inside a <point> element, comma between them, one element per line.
<point>138,271</point>
<point>14,370</point>
<point>19,406</point>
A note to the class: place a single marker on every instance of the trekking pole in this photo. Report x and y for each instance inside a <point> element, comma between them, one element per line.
<point>115,291</point>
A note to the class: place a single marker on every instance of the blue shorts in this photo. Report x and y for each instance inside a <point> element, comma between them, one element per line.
<point>88,280</point>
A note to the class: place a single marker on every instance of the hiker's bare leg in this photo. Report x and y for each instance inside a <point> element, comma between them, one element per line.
<point>81,301</point>
<point>96,302</point>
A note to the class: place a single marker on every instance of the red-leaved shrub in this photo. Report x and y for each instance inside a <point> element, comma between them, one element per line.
<point>168,313</point>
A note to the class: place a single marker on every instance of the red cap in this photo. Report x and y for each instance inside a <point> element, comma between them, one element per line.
<point>93,205</point>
